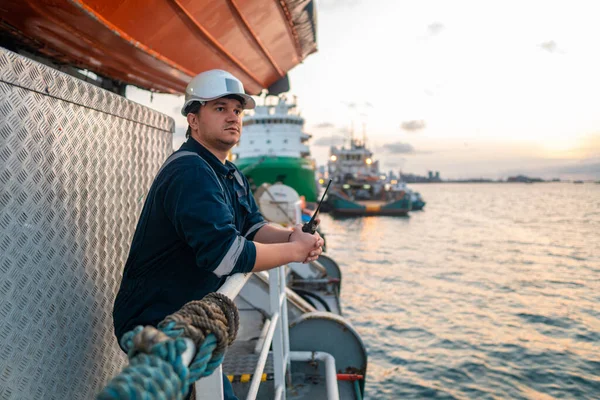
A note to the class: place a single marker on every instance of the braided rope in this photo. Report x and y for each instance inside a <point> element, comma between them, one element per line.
<point>156,370</point>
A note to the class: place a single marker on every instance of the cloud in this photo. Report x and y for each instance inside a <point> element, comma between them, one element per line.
<point>324,125</point>
<point>590,168</point>
<point>393,164</point>
<point>398,148</point>
<point>435,29</point>
<point>550,46</point>
<point>353,105</point>
<point>413,126</point>
<point>332,140</point>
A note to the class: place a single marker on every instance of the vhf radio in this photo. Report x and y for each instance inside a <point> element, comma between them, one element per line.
<point>311,226</point>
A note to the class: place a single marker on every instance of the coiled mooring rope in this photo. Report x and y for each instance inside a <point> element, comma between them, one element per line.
<point>156,370</point>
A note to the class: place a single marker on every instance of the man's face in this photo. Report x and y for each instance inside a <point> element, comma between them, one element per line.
<point>220,123</point>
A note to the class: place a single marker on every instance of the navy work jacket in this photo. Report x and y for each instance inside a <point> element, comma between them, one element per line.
<point>196,228</point>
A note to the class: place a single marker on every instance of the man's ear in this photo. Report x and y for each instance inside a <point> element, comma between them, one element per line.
<point>192,120</point>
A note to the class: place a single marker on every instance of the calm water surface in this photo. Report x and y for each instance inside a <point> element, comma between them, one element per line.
<point>492,292</point>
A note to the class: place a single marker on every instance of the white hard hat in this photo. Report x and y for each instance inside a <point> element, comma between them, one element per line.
<point>213,84</point>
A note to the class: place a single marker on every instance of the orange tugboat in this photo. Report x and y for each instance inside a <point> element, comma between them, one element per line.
<point>160,45</point>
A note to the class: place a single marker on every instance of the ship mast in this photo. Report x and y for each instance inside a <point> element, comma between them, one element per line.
<point>364,143</point>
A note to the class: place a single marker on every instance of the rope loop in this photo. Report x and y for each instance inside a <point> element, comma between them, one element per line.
<point>156,369</point>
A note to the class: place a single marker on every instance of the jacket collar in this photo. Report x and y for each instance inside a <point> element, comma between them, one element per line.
<point>223,169</point>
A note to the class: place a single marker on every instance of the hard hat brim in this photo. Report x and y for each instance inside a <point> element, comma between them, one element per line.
<point>249,104</point>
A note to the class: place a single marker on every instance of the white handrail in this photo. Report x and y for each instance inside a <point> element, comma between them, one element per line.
<point>277,335</point>
<point>279,393</point>
<point>263,334</point>
<point>276,291</point>
<point>234,284</point>
<point>285,327</point>
<point>213,384</point>
<point>330,371</point>
<point>262,360</point>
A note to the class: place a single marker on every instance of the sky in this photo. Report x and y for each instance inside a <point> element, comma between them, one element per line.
<point>468,88</point>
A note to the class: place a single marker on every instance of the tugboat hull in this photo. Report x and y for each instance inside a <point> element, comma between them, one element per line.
<point>341,206</point>
<point>297,173</point>
<point>418,205</point>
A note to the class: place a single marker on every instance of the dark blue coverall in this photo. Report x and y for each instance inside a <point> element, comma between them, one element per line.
<point>196,228</point>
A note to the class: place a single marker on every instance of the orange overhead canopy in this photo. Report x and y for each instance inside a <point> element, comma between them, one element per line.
<point>160,44</point>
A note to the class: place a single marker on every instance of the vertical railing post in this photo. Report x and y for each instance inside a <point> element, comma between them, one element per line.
<point>285,328</point>
<point>211,386</point>
<point>281,338</point>
<point>275,294</point>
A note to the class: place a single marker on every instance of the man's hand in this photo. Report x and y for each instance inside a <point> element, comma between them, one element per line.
<point>311,245</point>
<point>316,252</point>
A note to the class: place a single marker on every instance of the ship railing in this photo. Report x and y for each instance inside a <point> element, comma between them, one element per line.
<point>211,387</point>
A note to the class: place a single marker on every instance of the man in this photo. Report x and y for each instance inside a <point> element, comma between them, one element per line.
<point>200,222</point>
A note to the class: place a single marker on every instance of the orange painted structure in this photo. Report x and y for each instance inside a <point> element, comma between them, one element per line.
<point>160,44</point>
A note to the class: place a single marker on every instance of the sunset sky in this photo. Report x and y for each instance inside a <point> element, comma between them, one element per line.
<point>469,88</point>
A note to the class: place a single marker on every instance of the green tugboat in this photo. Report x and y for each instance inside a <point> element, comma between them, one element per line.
<point>273,148</point>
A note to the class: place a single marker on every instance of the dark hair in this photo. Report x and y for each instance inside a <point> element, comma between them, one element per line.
<point>236,97</point>
<point>193,108</point>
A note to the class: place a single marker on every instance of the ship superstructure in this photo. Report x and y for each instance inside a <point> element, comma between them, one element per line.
<point>274,148</point>
<point>353,162</point>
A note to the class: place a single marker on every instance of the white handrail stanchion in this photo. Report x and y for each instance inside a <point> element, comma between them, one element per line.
<point>278,356</point>
<point>210,387</point>
<point>262,359</point>
<point>284,308</point>
<point>285,328</point>
<point>330,370</point>
<point>278,335</point>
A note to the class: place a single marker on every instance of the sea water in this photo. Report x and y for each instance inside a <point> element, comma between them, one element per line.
<point>491,292</point>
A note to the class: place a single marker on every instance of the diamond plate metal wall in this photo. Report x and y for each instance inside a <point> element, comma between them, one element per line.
<point>75,164</point>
